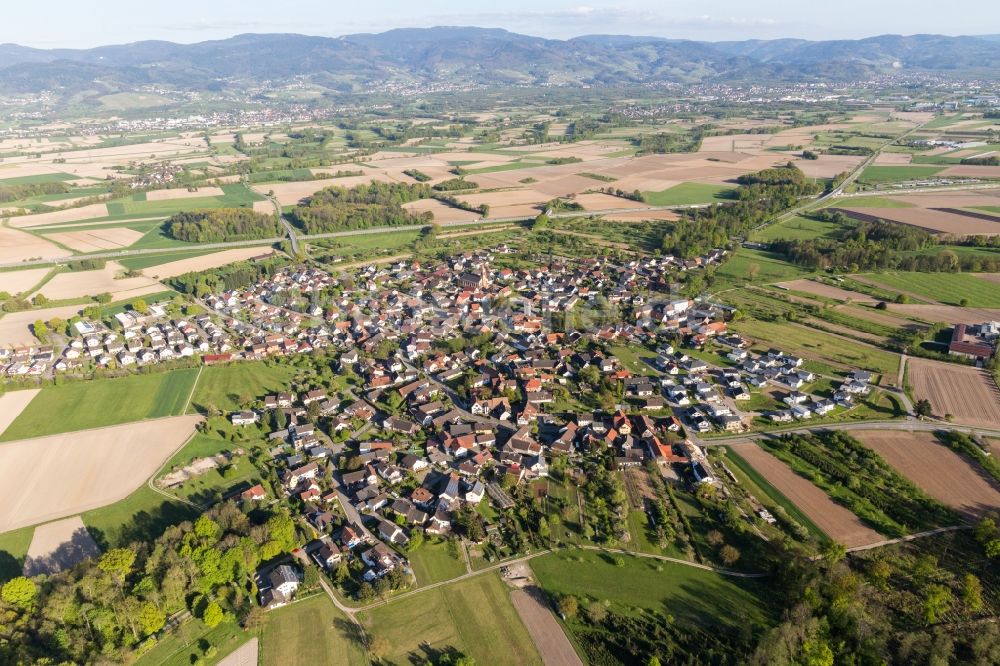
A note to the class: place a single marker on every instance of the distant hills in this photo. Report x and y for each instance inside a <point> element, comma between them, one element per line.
<point>485,56</point>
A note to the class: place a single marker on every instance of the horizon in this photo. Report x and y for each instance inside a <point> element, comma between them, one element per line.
<point>75,26</point>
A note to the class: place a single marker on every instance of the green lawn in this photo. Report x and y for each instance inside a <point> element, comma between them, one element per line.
<point>182,647</point>
<point>893,174</point>
<point>142,516</point>
<point>13,549</point>
<point>103,402</point>
<point>435,562</point>
<point>223,386</point>
<point>798,228</point>
<point>688,194</point>
<point>691,595</point>
<point>811,343</point>
<point>474,616</point>
<point>948,288</point>
<point>310,632</point>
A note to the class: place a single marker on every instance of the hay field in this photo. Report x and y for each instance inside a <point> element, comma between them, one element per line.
<point>78,284</point>
<point>836,521</point>
<point>289,194</point>
<point>936,469</point>
<point>828,166</point>
<point>948,314</point>
<point>828,291</point>
<point>971,171</point>
<point>57,216</point>
<point>96,240</point>
<point>179,193</point>
<point>53,477</point>
<point>934,221</point>
<point>205,261</point>
<point>642,216</point>
<point>17,246</point>
<point>443,214</point>
<point>58,546</point>
<point>893,159</point>
<point>12,404</point>
<point>15,327</point>
<point>14,282</point>
<point>967,393</point>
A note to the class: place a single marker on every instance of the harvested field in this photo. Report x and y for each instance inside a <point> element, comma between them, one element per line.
<point>88,283</point>
<point>17,246</point>
<point>14,282</point>
<point>607,202</point>
<point>937,470</point>
<point>59,546</point>
<point>890,159</point>
<point>545,631</point>
<point>642,216</point>
<point>949,314</point>
<point>934,221</point>
<point>828,291</point>
<point>443,214</point>
<point>971,171</point>
<point>292,193</point>
<point>206,261</point>
<point>957,199</point>
<point>52,477</point>
<point>96,240</point>
<point>12,404</point>
<point>177,193</point>
<point>67,215</point>
<point>15,327</point>
<point>967,393</point>
<point>828,166</point>
<point>837,522</point>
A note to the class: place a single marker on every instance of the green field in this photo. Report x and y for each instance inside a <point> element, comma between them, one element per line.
<point>873,202</point>
<point>689,194</point>
<point>226,386</point>
<point>435,562</point>
<point>798,228</point>
<point>894,174</point>
<point>310,632</point>
<point>691,595</point>
<point>182,647</point>
<point>474,616</point>
<point>150,260</point>
<point>103,402</point>
<point>37,180</point>
<point>235,196</point>
<point>142,516</point>
<point>948,288</point>
<point>811,343</point>
<point>764,267</point>
<point>13,549</point>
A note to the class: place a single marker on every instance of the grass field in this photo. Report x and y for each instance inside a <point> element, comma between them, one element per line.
<point>103,402</point>
<point>225,386</point>
<point>949,288</point>
<point>181,648</point>
<point>474,616</point>
<point>691,595</point>
<point>767,494</point>
<point>757,266</point>
<point>689,194</point>
<point>811,343</point>
<point>235,196</point>
<point>13,549</point>
<point>150,260</point>
<point>873,202</point>
<point>37,180</point>
<point>435,562</point>
<point>309,632</point>
<point>798,228</point>
<point>895,174</point>
<point>142,516</point>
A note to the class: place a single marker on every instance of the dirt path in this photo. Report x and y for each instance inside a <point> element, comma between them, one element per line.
<point>545,631</point>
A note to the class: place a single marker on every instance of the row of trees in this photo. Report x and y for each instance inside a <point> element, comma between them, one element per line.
<point>222,225</point>
<point>15,192</point>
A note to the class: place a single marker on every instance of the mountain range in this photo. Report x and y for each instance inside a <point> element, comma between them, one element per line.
<point>485,56</point>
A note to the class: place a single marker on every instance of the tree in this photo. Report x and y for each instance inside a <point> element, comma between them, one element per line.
<point>923,408</point>
<point>729,555</point>
<point>206,528</point>
<point>151,618</point>
<point>139,305</point>
<point>20,592</point>
<point>117,562</point>
<point>834,552</point>
<point>937,601</point>
<point>103,298</point>
<point>213,615</point>
<point>972,593</point>
<point>41,330</point>
<point>568,606</point>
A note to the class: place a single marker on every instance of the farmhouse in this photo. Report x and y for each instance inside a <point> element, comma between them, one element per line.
<point>973,342</point>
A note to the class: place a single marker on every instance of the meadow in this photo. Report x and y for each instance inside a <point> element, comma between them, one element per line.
<point>103,402</point>
<point>689,194</point>
<point>949,288</point>
<point>310,632</point>
<point>227,387</point>
<point>435,562</point>
<point>893,174</point>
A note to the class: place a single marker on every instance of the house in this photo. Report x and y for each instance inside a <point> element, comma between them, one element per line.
<point>243,418</point>
<point>254,494</point>
<point>327,555</point>
<point>282,583</point>
<point>392,532</point>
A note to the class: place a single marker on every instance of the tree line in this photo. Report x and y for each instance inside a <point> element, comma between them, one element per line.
<point>361,207</point>
<point>28,190</point>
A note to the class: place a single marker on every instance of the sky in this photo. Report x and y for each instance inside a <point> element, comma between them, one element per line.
<point>76,24</point>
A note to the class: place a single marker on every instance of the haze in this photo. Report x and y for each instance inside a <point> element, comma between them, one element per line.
<point>64,24</point>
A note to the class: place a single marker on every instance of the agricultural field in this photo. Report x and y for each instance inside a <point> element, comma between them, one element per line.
<point>969,394</point>
<point>51,477</point>
<point>797,228</point>
<point>948,288</point>
<point>103,402</point>
<point>878,175</point>
<point>310,632</point>
<point>937,470</point>
<point>474,616</point>
<point>835,521</point>
<point>757,267</point>
<point>689,194</point>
